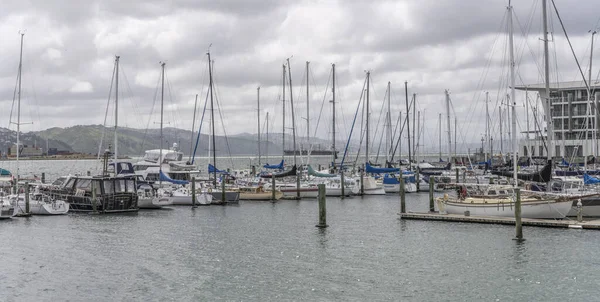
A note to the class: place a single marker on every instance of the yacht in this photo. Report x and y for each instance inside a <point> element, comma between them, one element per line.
<point>172,163</point>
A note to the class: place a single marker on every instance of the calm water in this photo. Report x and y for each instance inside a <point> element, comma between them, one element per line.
<point>260,251</point>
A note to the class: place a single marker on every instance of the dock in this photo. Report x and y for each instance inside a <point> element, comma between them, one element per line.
<point>548,223</point>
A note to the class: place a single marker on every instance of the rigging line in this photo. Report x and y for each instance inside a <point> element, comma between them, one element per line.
<point>13,100</point>
<point>322,104</point>
<point>352,128</point>
<point>200,127</point>
<point>106,113</point>
<point>525,44</point>
<point>217,97</point>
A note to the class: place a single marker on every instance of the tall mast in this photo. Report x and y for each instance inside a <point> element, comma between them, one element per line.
<point>267,146</point>
<point>307,111</point>
<point>455,134</point>
<point>368,111</point>
<point>418,126</point>
<point>293,127</point>
<point>162,98</point>
<point>19,111</point>
<point>440,135</point>
<point>448,122</point>
<point>258,120</point>
<point>595,114</point>
<point>512,93</point>
<point>116,109</point>
<point>389,124</point>
<point>408,124</point>
<point>193,127</point>
<point>527,117</point>
<point>414,136</point>
<point>283,101</point>
<point>549,122</point>
<point>487,123</point>
<point>212,120</point>
<point>333,115</point>
<point>501,133</point>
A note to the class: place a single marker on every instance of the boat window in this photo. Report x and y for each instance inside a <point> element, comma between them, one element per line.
<point>502,192</point>
<point>60,181</point>
<point>491,192</point>
<point>70,183</point>
<point>140,168</point>
<point>179,157</point>
<point>97,185</point>
<point>130,185</point>
<point>152,177</point>
<point>109,187</point>
<point>84,184</point>
<point>120,186</point>
<point>510,191</point>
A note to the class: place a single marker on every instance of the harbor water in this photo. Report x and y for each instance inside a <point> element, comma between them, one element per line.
<point>263,251</point>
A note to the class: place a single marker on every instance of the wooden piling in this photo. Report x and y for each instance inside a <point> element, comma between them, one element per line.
<point>416,179</point>
<point>322,207</point>
<point>457,175</point>
<point>431,202</point>
<point>27,211</point>
<point>94,200</point>
<point>518,223</point>
<point>194,192</point>
<point>43,177</point>
<point>223,200</point>
<point>273,188</point>
<point>579,210</point>
<point>402,196</point>
<point>362,185</point>
<point>253,171</point>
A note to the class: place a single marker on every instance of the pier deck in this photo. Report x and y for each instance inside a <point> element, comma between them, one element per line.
<point>550,223</point>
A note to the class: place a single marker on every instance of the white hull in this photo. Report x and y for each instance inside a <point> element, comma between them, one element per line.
<point>6,211</point>
<point>154,202</point>
<point>337,191</point>
<point>589,208</point>
<point>304,193</point>
<point>530,209</point>
<point>41,208</point>
<point>201,199</point>
<point>395,188</point>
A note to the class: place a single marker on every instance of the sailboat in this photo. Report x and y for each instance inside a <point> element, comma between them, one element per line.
<point>34,203</point>
<point>497,200</point>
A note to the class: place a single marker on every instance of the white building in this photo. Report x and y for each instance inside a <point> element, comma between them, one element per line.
<point>574,117</point>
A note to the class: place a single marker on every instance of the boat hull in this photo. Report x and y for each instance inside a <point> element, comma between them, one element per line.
<point>530,209</point>
<point>56,208</point>
<point>304,192</point>
<point>6,211</point>
<point>201,199</point>
<point>154,202</point>
<point>590,207</point>
<point>230,196</point>
<point>395,188</point>
<point>260,196</point>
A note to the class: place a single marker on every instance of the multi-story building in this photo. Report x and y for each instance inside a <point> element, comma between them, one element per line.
<point>574,117</point>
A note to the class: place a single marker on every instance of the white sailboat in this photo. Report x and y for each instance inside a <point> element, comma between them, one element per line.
<point>34,203</point>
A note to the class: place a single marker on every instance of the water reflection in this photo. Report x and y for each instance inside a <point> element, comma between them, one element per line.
<point>322,238</point>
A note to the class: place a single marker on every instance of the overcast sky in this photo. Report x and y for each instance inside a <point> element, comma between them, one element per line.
<point>69,51</point>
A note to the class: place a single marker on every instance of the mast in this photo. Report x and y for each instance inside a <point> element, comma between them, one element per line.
<point>267,146</point>
<point>501,134</point>
<point>307,111</point>
<point>212,120</point>
<point>116,109</point>
<point>258,120</point>
<point>333,115</point>
<point>368,111</point>
<point>595,132</point>
<point>193,127</point>
<point>414,136</point>
<point>527,117</point>
<point>408,124</point>
<point>487,123</point>
<point>418,126</point>
<point>389,124</point>
<point>283,101</point>
<point>293,128</point>
<point>448,122</point>
<point>549,122</point>
<point>512,94</point>
<point>162,98</point>
<point>455,134</point>
<point>440,135</point>
<point>19,111</point>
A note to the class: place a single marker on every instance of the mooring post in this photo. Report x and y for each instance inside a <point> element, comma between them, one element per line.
<point>89,173</point>
<point>253,171</point>
<point>362,185</point>
<point>457,175</point>
<point>579,210</point>
<point>464,176</point>
<point>273,188</point>
<point>402,196</point>
<point>343,185</point>
<point>43,177</point>
<point>431,184</point>
<point>518,225</point>
<point>26,198</point>
<point>194,192</point>
<point>94,207</point>
<point>322,207</point>
<point>417,180</point>
<point>223,189</point>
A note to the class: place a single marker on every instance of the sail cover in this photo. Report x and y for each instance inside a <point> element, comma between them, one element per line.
<point>291,172</point>
<point>590,180</point>
<point>312,172</point>
<point>371,169</point>
<point>545,175</point>
<point>212,169</point>
<point>164,177</point>
<point>276,167</point>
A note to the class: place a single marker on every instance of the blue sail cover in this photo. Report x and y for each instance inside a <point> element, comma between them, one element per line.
<point>277,167</point>
<point>212,169</point>
<point>4,172</point>
<point>164,177</point>
<point>590,180</point>
<point>371,169</point>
